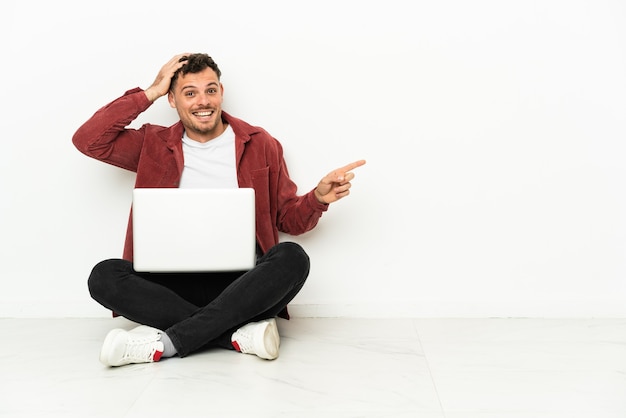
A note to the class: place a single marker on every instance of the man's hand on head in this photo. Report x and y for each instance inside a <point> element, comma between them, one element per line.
<point>161,85</point>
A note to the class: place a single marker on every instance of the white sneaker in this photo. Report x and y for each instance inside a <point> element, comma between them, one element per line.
<point>259,338</point>
<point>140,345</point>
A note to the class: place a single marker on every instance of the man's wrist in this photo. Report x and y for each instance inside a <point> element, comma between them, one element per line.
<point>319,197</point>
<point>151,94</point>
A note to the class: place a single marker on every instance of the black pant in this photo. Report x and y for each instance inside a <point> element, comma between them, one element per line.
<point>199,310</point>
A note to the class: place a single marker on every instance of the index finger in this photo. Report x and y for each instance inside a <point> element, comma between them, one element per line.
<point>351,166</point>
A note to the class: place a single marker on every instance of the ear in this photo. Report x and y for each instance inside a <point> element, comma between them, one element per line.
<point>171,99</point>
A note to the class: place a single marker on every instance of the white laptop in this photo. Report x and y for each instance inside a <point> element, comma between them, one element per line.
<point>193,230</point>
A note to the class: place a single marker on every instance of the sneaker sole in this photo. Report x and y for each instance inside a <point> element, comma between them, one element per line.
<point>271,341</point>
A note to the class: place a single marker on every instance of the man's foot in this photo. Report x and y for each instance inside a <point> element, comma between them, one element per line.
<point>140,345</point>
<point>259,338</point>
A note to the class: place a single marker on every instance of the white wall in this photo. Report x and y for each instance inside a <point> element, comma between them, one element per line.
<point>494,133</point>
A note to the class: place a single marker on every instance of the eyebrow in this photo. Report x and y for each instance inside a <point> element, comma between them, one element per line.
<point>212,83</point>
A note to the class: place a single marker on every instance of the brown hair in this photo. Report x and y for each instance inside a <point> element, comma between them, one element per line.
<point>195,63</point>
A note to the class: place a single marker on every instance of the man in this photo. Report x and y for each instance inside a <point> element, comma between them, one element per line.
<point>208,148</point>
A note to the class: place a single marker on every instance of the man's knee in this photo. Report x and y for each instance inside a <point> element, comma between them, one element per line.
<point>295,258</point>
<point>102,278</point>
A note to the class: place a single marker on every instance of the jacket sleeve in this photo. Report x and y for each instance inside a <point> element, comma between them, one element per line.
<point>303,216</point>
<point>105,137</point>
<point>296,214</point>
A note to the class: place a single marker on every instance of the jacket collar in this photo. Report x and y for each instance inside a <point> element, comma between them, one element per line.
<point>243,133</point>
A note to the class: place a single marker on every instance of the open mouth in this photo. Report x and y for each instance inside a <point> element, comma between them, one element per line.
<point>203,113</point>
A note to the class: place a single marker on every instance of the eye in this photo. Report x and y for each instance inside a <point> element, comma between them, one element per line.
<point>212,91</point>
<point>189,94</point>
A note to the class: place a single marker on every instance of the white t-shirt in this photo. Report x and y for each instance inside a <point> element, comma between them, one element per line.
<point>210,165</point>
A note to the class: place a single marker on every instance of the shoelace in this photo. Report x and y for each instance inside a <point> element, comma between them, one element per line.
<point>244,341</point>
<point>140,348</point>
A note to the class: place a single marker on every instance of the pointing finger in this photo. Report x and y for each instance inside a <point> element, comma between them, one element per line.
<point>351,166</point>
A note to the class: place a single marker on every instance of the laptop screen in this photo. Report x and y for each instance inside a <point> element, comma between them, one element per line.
<point>193,230</point>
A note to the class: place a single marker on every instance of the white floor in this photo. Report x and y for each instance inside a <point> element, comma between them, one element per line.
<point>432,368</point>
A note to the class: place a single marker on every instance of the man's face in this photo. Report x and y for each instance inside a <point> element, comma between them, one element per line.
<point>197,97</point>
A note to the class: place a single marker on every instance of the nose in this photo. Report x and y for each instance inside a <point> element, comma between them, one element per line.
<point>202,98</point>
